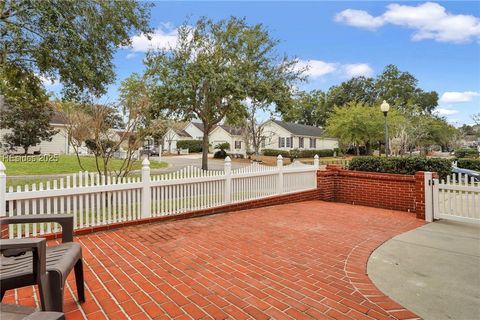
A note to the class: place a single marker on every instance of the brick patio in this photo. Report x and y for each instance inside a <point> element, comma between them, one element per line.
<point>301,260</point>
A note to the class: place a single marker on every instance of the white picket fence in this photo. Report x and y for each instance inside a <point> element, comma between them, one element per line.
<point>456,198</point>
<point>98,200</point>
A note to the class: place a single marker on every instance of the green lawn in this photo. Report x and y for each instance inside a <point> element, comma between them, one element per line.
<point>65,164</point>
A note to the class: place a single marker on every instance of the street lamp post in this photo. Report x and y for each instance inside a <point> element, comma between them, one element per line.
<point>385,107</point>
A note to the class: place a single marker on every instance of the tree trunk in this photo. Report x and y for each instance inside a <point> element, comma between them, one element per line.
<point>25,149</point>
<point>368,148</point>
<point>206,131</point>
<point>357,149</point>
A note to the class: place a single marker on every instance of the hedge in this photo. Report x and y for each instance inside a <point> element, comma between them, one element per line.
<point>472,164</point>
<point>298,153</point>
<point>402,165</point>
<point>466,153</point>
<point>275,153</point>
<point>191,145</point>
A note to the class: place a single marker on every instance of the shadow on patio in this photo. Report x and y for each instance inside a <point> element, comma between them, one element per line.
<point>301,260</point>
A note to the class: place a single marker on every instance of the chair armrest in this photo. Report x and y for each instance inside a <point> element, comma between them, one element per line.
<point>65,220</point>
<point>36,245</point>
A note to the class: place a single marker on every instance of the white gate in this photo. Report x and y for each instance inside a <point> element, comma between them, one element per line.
<point>457,198</point>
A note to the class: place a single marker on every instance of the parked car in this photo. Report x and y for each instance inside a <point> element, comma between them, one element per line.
<point>460,174</point>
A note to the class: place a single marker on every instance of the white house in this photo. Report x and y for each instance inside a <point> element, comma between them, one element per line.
<point>59,143</point>
<point>219,134</point>
<point>172,136</point>
<point>234,136</point>
<point>287,136</point>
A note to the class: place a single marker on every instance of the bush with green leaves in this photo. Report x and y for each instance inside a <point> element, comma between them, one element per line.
<point>469,163</point>
<point>312,153</point>
<point>275,153</point>
<point>220,154</point>
<point>402,165</point>
<point>466,153</point>
<point>191,145</point>
<point>223,146</point>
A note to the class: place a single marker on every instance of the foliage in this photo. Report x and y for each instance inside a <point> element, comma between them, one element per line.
<point>466,153</point>
<point>220,154</point>
<point>432,130</point>
<point>399,88</point>
<point>223,146</point>
<point>402,165</point>
<point>361,124</point>
<point>191,145</point>
<point>472,164</point>
<point>275,153</point>
<point>25,110</point>
<point>103,146</point>
<point>308,108</point>
<point>210,72</point>
<point>298,153</point>
<point>73,41</point>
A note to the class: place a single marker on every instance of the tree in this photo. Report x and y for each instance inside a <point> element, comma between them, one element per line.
<point>209,73</point>
<point>360,124</point>
<point>433,130</point>
<point>73,41</point>
<point>308,108</point>
<point>357,89</point>
<point>400,89</point>
<point>26,113</point>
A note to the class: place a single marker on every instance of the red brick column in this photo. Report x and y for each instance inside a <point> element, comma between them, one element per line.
<point>326,184</point>
<point>420,195</point>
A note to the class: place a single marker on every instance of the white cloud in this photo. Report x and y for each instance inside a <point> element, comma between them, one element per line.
<point>359,18</point>
<point>428,20</point>
<point>357,69</point>
<point>445,111</point>
<point>317,69</point>
<point>162,38</point>
<point>457,97</point>
<point>131,55</point>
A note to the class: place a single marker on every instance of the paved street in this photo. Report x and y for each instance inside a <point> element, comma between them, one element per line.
<point>179,162</point>
<point>434,270</point>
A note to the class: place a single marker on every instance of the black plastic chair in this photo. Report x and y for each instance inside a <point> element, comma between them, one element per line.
<point>51,265</point>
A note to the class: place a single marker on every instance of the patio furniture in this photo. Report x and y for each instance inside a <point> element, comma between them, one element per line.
<point>51,265</point>
<point>16,312</point>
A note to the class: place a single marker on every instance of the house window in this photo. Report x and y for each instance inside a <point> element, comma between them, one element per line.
<point>300,142</point>
<point>238,144</point>
<point>313,143</point>
<point>281,142</point>
<point>289,142</point>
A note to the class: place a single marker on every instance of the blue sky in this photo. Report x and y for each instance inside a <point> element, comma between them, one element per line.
<point>438,42</point>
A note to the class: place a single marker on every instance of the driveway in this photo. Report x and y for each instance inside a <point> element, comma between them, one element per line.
<point>296,261</point>
<point>176,163</point>
<point>433,270</point>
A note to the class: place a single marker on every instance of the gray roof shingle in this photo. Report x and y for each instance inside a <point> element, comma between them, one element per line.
<point>300,129</point>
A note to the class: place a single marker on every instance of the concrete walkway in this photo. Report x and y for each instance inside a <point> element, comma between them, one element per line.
<point>433,271</point>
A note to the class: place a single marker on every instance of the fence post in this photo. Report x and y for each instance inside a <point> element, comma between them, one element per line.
<point>316,162</point>
<point>228,179</point>
<point>3,189</point>
<point>280,174</point>
<point>428,187</point>
<point>146,198</point>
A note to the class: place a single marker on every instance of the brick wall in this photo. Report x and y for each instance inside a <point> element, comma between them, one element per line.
<point>381,190</point>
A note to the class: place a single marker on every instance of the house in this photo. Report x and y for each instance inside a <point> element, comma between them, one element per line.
<point>218,135</point>
<point>172,136</point>
<point>283,135</point>
<point>234,136</point>
<point>59,143</point>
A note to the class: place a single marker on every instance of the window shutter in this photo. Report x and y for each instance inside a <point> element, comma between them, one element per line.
<point>279,142</point>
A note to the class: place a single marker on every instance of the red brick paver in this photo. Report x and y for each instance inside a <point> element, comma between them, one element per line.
<point>297,261</point>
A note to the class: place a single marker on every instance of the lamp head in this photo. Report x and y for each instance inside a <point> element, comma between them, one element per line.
<point>385,107</point>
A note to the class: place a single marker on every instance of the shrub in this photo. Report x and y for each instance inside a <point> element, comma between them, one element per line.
<point>466,153</point>
<point>472,164</point>
<point>220,154</point>
<point>223,146</point>
<point>402,165</point>
<point>275,153</point>
<point>312,153</point>
<point>191,145</point>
